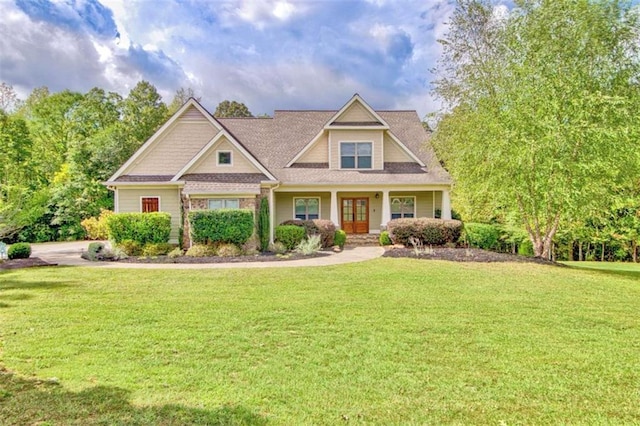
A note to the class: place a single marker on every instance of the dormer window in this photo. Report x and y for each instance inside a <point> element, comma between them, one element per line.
<point>224,158</point>
<point>355,155</point>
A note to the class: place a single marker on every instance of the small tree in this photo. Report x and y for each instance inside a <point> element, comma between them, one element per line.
<point>263,224</point>
<point>227,109</point>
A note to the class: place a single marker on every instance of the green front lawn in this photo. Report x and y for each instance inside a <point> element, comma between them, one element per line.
<point>391,341</point>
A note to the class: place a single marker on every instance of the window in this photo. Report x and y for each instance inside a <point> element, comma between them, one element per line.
<point>224,203</point>
<point>403,207</point>
<point>224,158</point>
<point>307,208</point>
<point>355,155</point>
<point>149,204</point>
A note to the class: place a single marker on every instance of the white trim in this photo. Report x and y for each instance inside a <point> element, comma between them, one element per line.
<point>151,196</point>
<point>356,156</point>
<point>366,106</point>
<point>404,148</point>
<point>223,151</point>
<point>191,102</point>
<point>415,204</point>
<point>307,198</point>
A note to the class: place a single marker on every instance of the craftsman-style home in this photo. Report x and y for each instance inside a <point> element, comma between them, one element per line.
<point>355,166</point>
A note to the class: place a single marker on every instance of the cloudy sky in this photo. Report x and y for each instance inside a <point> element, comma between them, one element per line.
<point>270,54</point>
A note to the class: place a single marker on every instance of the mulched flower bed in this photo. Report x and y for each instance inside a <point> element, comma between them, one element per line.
<point>24,263</point>
<point>463,255</point>
<point>266,257</point>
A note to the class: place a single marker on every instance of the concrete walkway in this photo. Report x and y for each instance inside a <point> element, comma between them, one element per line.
<point>68,254</point>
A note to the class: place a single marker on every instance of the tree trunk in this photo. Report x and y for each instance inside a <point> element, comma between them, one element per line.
<point>602,254</point>
<point>580,251</point>
<point>570,252</point>
<point>634,251</point>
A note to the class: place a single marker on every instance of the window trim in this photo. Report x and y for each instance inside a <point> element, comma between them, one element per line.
<point>222,151</point>
<point>151,196</point>
<point>225,199</point>
<point>355,156</point>
<point>415,205</point>
<point>307,198</point>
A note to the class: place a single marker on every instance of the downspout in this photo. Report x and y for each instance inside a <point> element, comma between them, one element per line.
<point>272,212</point>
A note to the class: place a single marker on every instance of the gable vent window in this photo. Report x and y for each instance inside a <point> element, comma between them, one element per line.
<point>224,158</point>
<point>403,207</point>
<point>355,155</point>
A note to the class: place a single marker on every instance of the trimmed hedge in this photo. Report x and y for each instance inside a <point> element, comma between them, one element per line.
<point>223,226</point>
<point>482,235</point>
<point>143,228</point>
<point>19,251</point>
<point>429,231</point>
<point>322,227</point>
<point>290,235</point>
<point>384,239</point>
<point>340,238</point>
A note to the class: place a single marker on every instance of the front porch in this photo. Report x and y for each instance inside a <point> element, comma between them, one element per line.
<point>357,211</point>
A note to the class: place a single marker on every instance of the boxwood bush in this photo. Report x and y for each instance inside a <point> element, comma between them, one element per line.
<point>482,235</point>
<point>223,226</point>
<point>143,228</point>
<point>290,235</point>
<point>429,231</point>
<point>322,227</point>
<point>19,251</point>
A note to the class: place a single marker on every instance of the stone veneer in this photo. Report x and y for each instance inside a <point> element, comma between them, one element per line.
<point>203,204</point>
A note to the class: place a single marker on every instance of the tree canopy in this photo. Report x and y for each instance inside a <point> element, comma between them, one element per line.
<point>542,110</point>
<point>228,109</point>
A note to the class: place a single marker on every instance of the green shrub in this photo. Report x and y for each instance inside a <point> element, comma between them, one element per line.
<point>385,240</point>
<point>340,238</point>
<point>326,230</point>
<point>130,247</point>
<point>309,226</point>
<point>157,249</point>
<point>290,235</point>
<point>96,228</point>
<point>229,250</point>
<point>263,224</point>
<point>427,231</point>
<point>482,235</point>
<point>143,228</point>
<point>525,248</point>
<point>201,250</point>
<point>224,226</point>
<point>176,252</point>
<point>19,251</point>
<point>310,245</point>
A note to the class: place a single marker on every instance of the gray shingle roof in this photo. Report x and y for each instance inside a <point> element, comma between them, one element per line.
<point>276,141</point>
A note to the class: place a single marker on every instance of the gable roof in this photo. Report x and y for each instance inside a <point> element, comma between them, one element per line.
<point>191,102</point>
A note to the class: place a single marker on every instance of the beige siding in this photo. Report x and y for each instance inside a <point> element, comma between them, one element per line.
<point>240,164</point>
<point>318,153</point>
<point>173,150</point>
<point>438,200</point>
<point>393,153</point>
<point>284,204</point>
<point>192,114</point>
<point>337,136</point>
<point>129,201</point>
<point>356,112</point>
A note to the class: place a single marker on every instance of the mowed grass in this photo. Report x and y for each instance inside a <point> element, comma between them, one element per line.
<point>390,341</point>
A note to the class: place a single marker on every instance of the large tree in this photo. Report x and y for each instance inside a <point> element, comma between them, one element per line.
<point>232,109</point>
<point>542,109</point>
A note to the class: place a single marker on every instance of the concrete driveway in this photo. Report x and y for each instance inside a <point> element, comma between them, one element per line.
<point>68,254</point>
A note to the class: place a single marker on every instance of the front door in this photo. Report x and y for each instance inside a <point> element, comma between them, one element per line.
<point>355,215</point>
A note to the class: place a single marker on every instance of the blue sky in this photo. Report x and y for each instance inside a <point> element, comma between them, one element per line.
<point>273,54</point>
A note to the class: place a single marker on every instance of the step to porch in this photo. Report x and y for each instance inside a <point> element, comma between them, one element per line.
<point>359,240</point>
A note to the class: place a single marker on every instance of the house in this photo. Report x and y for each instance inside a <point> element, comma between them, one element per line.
<point>355,166</point>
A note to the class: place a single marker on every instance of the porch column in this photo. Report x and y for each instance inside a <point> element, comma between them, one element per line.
<point>446,205</point>
<point>386,209</point>
<point>335,217</point>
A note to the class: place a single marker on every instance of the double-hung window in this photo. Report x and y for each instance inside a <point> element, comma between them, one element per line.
<point>224,203</point>
<point>355,155</point>
<point>307,208</point>
<point>403,207</point>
